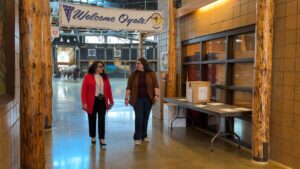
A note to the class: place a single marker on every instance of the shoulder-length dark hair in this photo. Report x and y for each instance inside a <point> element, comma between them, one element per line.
<point>146,65</point>
<point>93,67</point>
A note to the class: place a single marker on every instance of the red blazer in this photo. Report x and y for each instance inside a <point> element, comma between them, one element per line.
<point>88,91</point>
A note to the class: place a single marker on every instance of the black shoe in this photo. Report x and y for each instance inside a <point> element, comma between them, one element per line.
<point>93,140</point>
<point>102,144</point>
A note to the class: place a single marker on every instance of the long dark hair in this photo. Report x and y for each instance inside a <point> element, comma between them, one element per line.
<point>93,67</point>
<point>146,65</point>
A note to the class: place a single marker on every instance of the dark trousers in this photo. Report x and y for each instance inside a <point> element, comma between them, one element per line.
<point>142,110</point>
<point>100,111</point>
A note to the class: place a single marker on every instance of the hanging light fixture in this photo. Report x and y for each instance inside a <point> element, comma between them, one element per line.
<point>61,39</point>
<point>68,40</point>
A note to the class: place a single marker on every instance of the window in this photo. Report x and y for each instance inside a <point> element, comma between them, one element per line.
<point>192,52</point>
<point>2,57</point>
<point>242,76</point>
<point>134,53</point>
<point>94,39</point>
<point>193,72</point>
<point>116,40</point>
<point>243,99</point>
<point>2,63</point>
<point>109,54</point>
<point>226,60</point>
<point>7,50</point>
<point>125,54</point>
<point>215,49</point>
<point>65,55</point>
<point>152,38</point>
<point>54,6</point>
<point>215,73</point>
<point>218,95</point>
<point>244,46</point>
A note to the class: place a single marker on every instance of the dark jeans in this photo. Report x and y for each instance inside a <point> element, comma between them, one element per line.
<point>142,110</point>
<point>100,110</point>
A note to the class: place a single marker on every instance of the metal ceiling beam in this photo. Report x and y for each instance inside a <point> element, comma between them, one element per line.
<point>106,34</point>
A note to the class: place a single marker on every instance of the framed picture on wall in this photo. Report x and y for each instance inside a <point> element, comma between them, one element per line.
<point>164,61</point>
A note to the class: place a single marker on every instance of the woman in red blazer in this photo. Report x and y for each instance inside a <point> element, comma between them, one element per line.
<point>96,97</point>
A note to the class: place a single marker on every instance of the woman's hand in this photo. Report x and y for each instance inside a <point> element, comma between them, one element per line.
<point>84,107</point>
<point>156,98</point>
<point>126,102</point>
<point>110,106</point>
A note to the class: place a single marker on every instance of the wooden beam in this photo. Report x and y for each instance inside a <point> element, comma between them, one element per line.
<point>47,63</point>
<point>262,81</point>
<point>171,79</point>
<point>141,40</point>
<point>31,117</point>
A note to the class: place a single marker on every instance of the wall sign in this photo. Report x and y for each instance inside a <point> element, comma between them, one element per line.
<point>164,61</point>
<point>92,52</point>
<point>117,53</point>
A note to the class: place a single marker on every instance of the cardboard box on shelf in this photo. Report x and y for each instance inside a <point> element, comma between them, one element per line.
<point>170,113</point>
<point>198,91</point>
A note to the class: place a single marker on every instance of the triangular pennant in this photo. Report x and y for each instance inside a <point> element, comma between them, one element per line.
<point>68,11</point>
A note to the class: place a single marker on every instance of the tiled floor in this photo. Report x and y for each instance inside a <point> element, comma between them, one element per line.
<point>68,144</point>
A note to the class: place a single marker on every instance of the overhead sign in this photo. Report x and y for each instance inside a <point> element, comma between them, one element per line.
<point>73,15</point>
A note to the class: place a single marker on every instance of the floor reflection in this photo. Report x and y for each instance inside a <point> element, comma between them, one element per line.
<point>68,144</point>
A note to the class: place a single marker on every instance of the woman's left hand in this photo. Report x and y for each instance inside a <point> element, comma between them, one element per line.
<point>156,98</point>
<point>110,106</point>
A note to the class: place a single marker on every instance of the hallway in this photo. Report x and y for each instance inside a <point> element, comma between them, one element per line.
<point>68,145</point>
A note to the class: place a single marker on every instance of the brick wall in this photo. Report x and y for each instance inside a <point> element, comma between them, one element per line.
<point>226,15</point>
<point>9,114</point>
<point>285,112</point>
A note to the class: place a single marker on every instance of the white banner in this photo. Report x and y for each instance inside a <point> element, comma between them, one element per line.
<point>73,15</point>
<point>54,32</point>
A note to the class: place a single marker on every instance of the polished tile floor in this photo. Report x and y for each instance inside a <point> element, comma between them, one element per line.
<point>68,144</point>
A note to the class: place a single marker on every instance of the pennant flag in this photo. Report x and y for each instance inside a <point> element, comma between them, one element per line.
<point>68,11</point>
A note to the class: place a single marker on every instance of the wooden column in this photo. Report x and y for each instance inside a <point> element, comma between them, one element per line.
<point>47,64</point>
<point>31,117</point>
<point>171,77</point>
<point>262,84</point>
<point>141,40</point>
